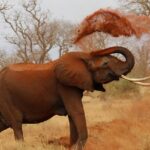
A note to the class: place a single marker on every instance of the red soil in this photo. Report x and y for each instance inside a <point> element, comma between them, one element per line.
<point>129,133</point>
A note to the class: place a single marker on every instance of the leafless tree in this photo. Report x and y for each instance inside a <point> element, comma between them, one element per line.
<point>3,59</point>
<point>4,6</point>
<point>138,6</point>
<point>94,42</point>
<point>6,59</point>
<point>65,34</point>
<point>143,59</point>
<point>34,34</point>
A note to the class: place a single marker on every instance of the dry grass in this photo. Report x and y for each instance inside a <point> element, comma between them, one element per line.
<point>41,136</point>
<point>120,124</point>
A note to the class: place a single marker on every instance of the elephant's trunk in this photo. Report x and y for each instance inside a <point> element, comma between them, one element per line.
<point>127,65</point>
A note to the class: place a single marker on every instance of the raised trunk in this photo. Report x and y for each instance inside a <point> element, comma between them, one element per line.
<point>127,65</point>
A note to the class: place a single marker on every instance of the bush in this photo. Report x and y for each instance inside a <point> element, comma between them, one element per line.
<point>121,89</point>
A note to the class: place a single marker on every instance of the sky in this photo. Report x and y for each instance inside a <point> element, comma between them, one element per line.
<point>73,10</point>
<point>70,10</point>
<point>76,10</point>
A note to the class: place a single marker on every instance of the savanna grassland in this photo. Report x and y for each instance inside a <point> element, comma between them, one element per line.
<point>113,124</point>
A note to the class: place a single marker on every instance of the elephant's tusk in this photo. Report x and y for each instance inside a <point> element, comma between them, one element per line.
<point>135,79</point>
<point>142,83</point>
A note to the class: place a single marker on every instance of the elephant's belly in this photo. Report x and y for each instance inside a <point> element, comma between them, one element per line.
<point>43,113</point>
<point>36,119</point>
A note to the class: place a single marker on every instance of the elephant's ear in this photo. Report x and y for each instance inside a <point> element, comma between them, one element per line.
<point>71,70</point>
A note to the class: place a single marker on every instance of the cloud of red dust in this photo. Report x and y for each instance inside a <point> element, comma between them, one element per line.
<point>114,23</point>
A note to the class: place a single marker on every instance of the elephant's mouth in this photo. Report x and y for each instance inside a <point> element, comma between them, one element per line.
<point>99,87</point>
<point>114,76</point>
<point>111,77</point>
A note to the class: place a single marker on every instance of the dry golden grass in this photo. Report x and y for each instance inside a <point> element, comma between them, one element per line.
<point>121,124</point>
<point>38,136</point>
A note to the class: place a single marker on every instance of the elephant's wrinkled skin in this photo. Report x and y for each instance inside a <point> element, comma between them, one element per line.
<point>31,93</point>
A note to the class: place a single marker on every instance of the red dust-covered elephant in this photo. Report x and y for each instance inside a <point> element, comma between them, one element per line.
<point>32,93</point>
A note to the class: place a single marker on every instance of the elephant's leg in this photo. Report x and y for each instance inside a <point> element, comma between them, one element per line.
<point>81,128</point>
<point>18,133</point>
<point>73,104</point>
<point>13,118</point>
<point>73,132</point>
<point>16,124</point>
<point>11,121</point>
<point>10,113</point>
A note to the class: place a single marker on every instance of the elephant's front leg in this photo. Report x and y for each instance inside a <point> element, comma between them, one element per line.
<point>81,129</point>
<point>73,104</point>
<point>73,132</point>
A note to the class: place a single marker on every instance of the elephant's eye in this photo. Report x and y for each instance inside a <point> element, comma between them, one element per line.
<point>104,64</point>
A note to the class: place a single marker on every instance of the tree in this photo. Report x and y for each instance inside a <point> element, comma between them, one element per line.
<point>94,41</point>
<point>3,6</point>
<point>64,38</point>
<point>137,6</point>
<point>142,9</point>
<point>143,59</point>
<point>6,59</point>
<point>33,33</point>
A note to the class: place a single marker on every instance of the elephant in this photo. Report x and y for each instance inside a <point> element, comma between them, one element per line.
<point>33,93</point>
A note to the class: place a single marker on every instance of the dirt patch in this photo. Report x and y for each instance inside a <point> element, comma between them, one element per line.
<point>60,141</point>
<point>131,132</point>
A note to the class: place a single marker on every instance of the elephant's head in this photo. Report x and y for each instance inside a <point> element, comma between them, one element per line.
<point>89,71</point>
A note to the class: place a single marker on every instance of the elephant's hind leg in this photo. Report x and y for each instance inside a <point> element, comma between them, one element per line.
<point>18,133</point>
<point>13,119</point>
<point>10,113</point>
